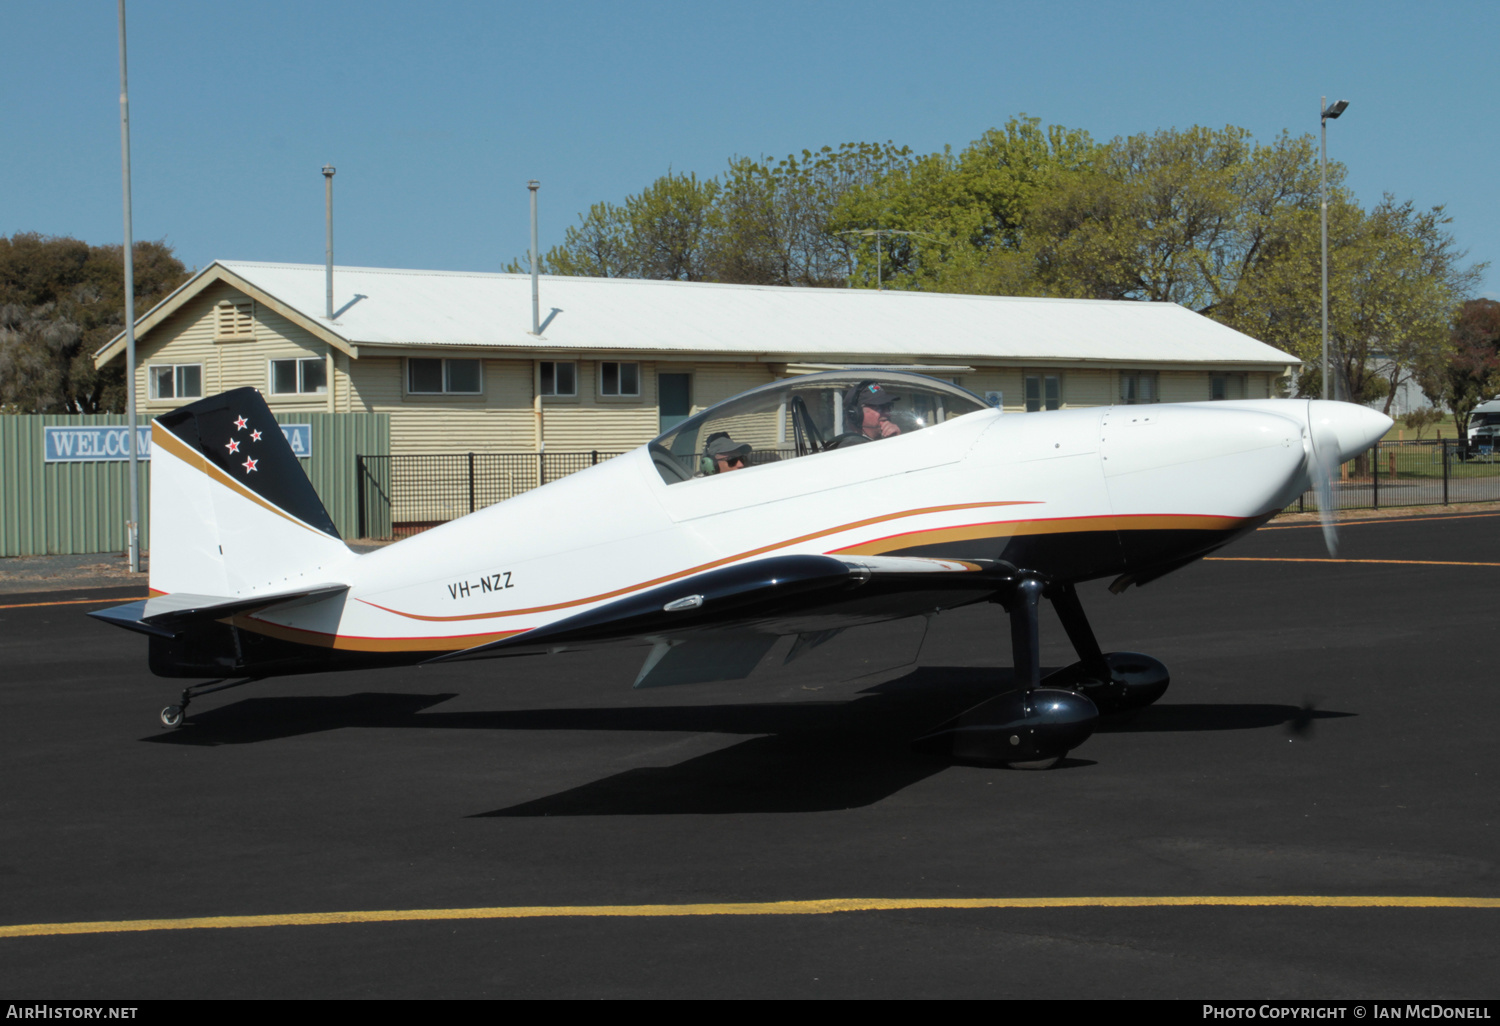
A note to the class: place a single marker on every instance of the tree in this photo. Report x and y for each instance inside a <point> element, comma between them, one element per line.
<point>1176,216</point>
<point>767,223</point>
<point>1471,374</point>
<point>1394,280</point>
<point>666,231</point>
<point>778,219</point>
<point>1207,218</point>
<point>1420,420</point>
<point>969,213</point>
<point>60,301</point>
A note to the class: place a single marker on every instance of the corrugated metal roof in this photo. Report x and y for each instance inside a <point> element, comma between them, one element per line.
<point>386,306</point>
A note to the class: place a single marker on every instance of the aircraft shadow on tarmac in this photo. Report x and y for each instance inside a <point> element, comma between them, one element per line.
<point>803,756</point>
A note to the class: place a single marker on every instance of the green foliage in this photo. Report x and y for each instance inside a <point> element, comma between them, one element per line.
<point>767,223</point>
<point>60,301</point>
<point>1394,279</point>
<point>1207,218</point>
<point>669,231</point>
<point>780,224</point>
<point>969,214</point>
<point>1420,420</point>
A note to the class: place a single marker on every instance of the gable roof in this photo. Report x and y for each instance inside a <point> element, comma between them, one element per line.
<point>451,309</point>
<point>216,272</point>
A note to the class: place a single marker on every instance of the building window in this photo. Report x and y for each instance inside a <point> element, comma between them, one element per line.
<point>619,378</point>
<point>443,377</point>
<point>1226,386</point>
<point>176,381</point>
<point>233,321</point>
<point>561,378</point>
<point>307,376</point>
<point>1043,392</point>
<point>1137,387</point>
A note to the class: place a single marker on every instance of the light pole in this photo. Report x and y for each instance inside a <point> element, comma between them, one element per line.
<point>328,172</point>
<point>1326,113</point>
<point>132,525</point>
<point>879,233</point>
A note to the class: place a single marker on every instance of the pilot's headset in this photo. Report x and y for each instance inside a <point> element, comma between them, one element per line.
<point>706,463</point>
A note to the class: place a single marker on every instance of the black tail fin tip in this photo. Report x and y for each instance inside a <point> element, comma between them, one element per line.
<point>236,432</point>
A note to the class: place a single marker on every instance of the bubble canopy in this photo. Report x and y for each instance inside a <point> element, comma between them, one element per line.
<point>806,415</point>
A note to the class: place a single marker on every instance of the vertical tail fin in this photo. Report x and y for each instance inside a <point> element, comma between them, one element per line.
<point>232,511</point>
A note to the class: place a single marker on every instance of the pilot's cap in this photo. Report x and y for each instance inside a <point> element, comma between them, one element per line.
<point>869,393</point>
<point>721,445</point>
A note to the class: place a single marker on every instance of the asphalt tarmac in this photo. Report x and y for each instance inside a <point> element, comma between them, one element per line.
<point>1330,731</point>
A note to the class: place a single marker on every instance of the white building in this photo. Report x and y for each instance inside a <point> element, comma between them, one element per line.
<point>451,357</point>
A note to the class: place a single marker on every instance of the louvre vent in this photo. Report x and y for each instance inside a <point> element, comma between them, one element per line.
<point>233,320</point>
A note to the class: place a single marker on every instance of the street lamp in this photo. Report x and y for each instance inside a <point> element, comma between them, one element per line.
<point>880,233</point>
<point>1327,112</point>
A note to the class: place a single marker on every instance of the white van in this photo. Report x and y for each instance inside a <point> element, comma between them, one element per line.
<point>1484,425</point>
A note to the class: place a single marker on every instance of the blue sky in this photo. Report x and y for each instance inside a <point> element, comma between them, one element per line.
<point>437,113</point>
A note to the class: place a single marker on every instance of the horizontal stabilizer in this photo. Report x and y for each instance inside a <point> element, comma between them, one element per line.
<point>164,616</point>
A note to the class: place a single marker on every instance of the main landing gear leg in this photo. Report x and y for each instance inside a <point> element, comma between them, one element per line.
<point>173,715</point>
<point>1114,681</point>
<point>1031,727</point>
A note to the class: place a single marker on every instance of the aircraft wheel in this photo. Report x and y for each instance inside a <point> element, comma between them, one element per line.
<point>171,716</point>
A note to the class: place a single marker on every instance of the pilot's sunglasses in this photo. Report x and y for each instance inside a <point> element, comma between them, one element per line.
<point>734,461</point>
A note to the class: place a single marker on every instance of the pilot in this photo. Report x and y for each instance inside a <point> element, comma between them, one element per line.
<point>867,410</point>
<point>723,454</point>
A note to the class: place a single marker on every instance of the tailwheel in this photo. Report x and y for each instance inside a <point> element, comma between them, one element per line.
<point>173,715</point>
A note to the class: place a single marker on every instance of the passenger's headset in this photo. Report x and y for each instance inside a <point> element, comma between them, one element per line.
<point>853,414</point>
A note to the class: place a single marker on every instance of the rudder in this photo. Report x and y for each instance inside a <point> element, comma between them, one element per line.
<point>232,511</point>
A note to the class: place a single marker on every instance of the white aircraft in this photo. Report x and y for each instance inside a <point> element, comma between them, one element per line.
<point>802,507</point>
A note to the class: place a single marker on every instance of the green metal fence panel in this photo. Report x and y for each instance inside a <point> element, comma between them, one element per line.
<point>73,508</point>
<point>48,508</point>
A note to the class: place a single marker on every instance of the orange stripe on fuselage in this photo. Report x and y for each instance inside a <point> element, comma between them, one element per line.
<point>696,569</point>
<point>1060,525</point>
<point>940,535</point>
<point>356,643</point>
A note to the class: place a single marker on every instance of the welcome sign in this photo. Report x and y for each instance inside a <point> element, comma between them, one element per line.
<point>96,442</point>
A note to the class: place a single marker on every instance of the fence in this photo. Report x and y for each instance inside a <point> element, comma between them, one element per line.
<point>401,495</point>
<point>1427,473</point>
<point>75,507</point>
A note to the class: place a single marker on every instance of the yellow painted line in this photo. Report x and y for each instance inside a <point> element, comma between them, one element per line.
<point>79,602</point>
<point>1290,559</point>
<point>824,906</point>
<point>1387,520</point>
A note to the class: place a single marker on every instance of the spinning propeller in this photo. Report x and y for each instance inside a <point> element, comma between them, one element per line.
<point>1323,460</point>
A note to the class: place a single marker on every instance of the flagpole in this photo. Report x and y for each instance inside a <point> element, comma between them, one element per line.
<point>132,525</point>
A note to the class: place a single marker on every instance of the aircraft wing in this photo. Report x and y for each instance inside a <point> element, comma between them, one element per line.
<point>166,615</point>
<point>744,608</point>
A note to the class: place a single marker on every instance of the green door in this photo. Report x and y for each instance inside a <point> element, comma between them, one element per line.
<point>674,396</point>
